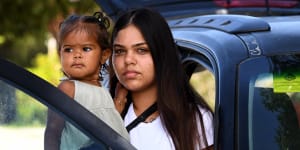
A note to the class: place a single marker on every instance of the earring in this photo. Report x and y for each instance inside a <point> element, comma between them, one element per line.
<point>103,67</point>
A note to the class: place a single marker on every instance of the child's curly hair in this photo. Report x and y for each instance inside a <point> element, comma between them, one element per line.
<point>96,25</point>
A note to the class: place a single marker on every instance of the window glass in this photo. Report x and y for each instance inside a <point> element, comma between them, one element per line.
<point>22,120</point>
<point>273,116</point>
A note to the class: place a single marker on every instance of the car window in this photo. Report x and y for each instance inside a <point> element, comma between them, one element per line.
<point>22,120</point>
<point>19,110</point>
<point>203,81</point>
<point>201,78</point>
<point>273,103</point>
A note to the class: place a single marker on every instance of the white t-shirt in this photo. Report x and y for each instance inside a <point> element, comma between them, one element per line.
<point>152,136</point>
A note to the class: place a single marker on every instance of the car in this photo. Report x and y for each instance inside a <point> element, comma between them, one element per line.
<point>242,56</point>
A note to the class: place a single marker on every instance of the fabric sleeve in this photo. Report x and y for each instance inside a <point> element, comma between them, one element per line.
<point>208,126</point>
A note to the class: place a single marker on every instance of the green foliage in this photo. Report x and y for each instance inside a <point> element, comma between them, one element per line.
<point>29,111</point>
<point>198,80</point>
<point>25,25</point>
<point>47,67</point>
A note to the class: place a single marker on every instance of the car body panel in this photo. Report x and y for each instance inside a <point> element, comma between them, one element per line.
<point>244,46</point>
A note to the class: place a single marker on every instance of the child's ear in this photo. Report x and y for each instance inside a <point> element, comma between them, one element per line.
<point>105,55</point>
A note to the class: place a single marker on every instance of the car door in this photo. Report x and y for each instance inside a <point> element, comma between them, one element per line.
<point>20,90</point>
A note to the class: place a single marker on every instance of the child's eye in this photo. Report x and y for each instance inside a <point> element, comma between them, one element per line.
<point>86,49</point>
<point>68,49</point>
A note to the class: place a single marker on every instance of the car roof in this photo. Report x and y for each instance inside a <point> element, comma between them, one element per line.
<point>273,35</point>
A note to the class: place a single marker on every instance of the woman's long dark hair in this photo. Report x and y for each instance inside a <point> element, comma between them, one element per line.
<point>177,102</point>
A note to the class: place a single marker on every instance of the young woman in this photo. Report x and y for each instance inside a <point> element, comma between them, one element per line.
<point>146,62</point>
<point>83,47</point>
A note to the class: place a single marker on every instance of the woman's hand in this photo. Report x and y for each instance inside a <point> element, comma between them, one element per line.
<point>120,97</point>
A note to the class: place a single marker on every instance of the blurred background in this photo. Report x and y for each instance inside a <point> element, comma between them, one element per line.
<point>26,26</point>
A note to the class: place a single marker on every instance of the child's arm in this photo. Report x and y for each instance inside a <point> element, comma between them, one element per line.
<point>55,123</point>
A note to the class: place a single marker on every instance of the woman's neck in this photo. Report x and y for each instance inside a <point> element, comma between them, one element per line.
<point>143,100</point>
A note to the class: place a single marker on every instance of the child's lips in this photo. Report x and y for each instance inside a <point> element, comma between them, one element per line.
<point>77,65</point>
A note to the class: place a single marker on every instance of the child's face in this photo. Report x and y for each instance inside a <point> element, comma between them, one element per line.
<point>81,56</point>
<point>132,60</point>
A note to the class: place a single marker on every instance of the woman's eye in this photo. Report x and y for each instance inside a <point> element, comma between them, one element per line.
<point>86,49</point>
<point>119,51</point>
<point>142,50</point>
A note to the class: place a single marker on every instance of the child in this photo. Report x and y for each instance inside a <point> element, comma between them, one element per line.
<point>83,48</point>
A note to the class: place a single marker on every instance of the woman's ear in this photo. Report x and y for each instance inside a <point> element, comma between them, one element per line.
<point>105,55</point>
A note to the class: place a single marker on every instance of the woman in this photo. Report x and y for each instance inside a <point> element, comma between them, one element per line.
<point>146,62</point>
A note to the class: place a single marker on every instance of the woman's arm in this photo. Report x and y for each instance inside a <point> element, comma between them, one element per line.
<point>54,127</point>
<point>120,97</point>
<point>55,123</point>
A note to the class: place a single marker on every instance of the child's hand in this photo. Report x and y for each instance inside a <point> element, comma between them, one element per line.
<point>120,97</point>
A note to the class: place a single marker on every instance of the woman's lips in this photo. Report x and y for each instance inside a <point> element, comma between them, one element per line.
<point>130,74</point>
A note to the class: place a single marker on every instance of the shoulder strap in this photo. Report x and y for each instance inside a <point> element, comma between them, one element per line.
<point>142,117</point>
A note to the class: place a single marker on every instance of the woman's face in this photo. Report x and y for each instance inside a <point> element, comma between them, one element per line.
<point>132,60</point>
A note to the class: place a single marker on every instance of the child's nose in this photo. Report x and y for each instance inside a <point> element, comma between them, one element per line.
<point>77,54</point>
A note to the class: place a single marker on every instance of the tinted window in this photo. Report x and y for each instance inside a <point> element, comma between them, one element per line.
<point>272,103</point>
<point>22,120</point>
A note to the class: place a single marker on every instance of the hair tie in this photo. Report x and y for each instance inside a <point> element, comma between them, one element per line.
<point>103,20</point>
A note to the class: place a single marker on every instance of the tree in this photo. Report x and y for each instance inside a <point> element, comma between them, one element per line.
<point>26,24</point>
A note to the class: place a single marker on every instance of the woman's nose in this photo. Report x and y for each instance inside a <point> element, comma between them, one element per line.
<point>130,58</point>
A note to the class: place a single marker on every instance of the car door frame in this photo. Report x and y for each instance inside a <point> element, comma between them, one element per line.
<point>57,101</point>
